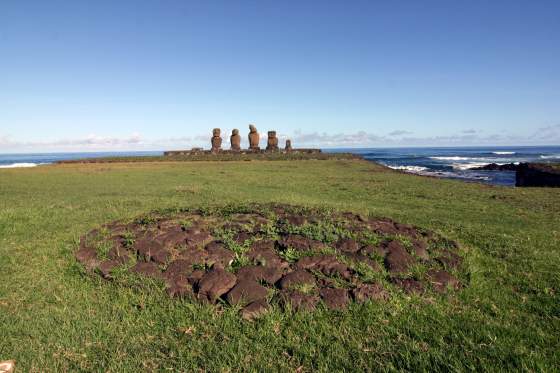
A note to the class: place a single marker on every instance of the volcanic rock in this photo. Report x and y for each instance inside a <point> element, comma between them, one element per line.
<point>335,299</point>
<point>347,245</point>
<point>87,256</point>
<point>298,301</point>
<point>254,310</point>
<point>297,278</point>
<point>270,275</point>
<point>398,260</point>
<point>107,266</point>
<point>246,291</point>
<point>214,284</point>
<point>442,280</point>
<point>148,269</point>
<point>218,255</point>
<point>409,285</point>
<point>366,292</point>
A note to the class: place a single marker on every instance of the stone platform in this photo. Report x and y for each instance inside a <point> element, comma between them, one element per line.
<point>197,152</point>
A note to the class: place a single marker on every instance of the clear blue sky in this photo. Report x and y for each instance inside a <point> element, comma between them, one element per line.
<point>160,74</point>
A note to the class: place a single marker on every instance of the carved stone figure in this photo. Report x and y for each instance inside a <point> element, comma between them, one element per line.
<point>235,140</point>
<point>272,143</point>
<point>288,147</point>
<point>253,138</point>
<point>216,140</point>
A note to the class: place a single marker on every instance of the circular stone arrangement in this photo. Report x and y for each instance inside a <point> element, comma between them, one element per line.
<point>258,255</point>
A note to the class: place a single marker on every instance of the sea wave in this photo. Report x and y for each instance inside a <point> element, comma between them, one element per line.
<point>552,156</point>
<point>454,158</point>
<point>503,153</point>
<point>468,166</point>
<point>17,165</point>
<point>409,168</point>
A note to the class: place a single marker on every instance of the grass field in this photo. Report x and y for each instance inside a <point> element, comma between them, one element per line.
<point>53,317</point>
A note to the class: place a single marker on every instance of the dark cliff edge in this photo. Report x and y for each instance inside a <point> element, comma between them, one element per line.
<point>537,175</point>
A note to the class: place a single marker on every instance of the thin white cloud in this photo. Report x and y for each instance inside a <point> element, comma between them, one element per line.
<point>549,135</point>
<point>399,133</point>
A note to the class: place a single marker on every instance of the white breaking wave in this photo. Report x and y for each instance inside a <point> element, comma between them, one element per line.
<point>17,165</point>
<point>553,156</point>
<point>503,153</point>
<point>468,166</point>
<point>455,158</point>
<point>409,168</point>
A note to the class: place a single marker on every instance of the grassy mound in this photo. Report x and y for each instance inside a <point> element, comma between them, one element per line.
<point>253,256</point>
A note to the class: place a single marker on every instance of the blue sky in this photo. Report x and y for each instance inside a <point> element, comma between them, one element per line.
<point>126,75</point>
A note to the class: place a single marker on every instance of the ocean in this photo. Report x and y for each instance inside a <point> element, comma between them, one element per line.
<point>455,163</point>
<point>458,162</point>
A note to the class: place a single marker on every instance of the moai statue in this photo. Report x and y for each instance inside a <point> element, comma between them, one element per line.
<point>235,140</point>
<point>272,143</point>
<point>216,140</point>
<point>288,147</point>
<point>253,138</point>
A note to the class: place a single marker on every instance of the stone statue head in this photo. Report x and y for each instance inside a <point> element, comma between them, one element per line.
<point>252,128</point>
<point>271,134</point>
<point>235,132</point>
<point>216,132</point>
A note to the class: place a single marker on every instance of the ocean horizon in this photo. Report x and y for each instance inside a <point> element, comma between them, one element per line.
<point>444,162</point>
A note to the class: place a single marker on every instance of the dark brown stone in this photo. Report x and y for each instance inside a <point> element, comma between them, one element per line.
<point>195,276</point>
<point>366,292</point>
<point>254,310</point>
<point>420,248</point>
<point>347,245</point>
<point>246,291</point>
<point>194,255</point>
<point>106,267</point>
<point>149,269</point>
<point>218,255</point>
<point>359,258</point>
<point>161,256</point>
<point>297,278</point>
<point>296,220</point>
<point>214,284</point>
<point>241,237</point>
<point>270,275</point>
<point>398,260</point>
<point>119,253</point>
<point>179,290</point>
<point>335,299</point>
<point>442,281</point>
<point>298,301</point>
<point>263,255</point>
<point>198,239</point>
<point>407,230</point>
<point>173,238</point>
<point>384,227</point>
<point>449,259</point>
<point>179,268</point>
<point>409,285</point>
<point>373,250</point>
<point>300,243</point>
<point>235,140</point>
<point>88,257</point>
<point>146,247</point>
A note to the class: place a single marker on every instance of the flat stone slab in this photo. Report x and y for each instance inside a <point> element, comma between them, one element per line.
<point>264,256</point>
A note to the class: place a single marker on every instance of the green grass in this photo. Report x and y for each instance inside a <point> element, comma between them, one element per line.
<point>53,317</point>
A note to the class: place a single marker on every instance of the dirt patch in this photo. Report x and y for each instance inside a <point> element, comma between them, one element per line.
<point>259,256</point>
